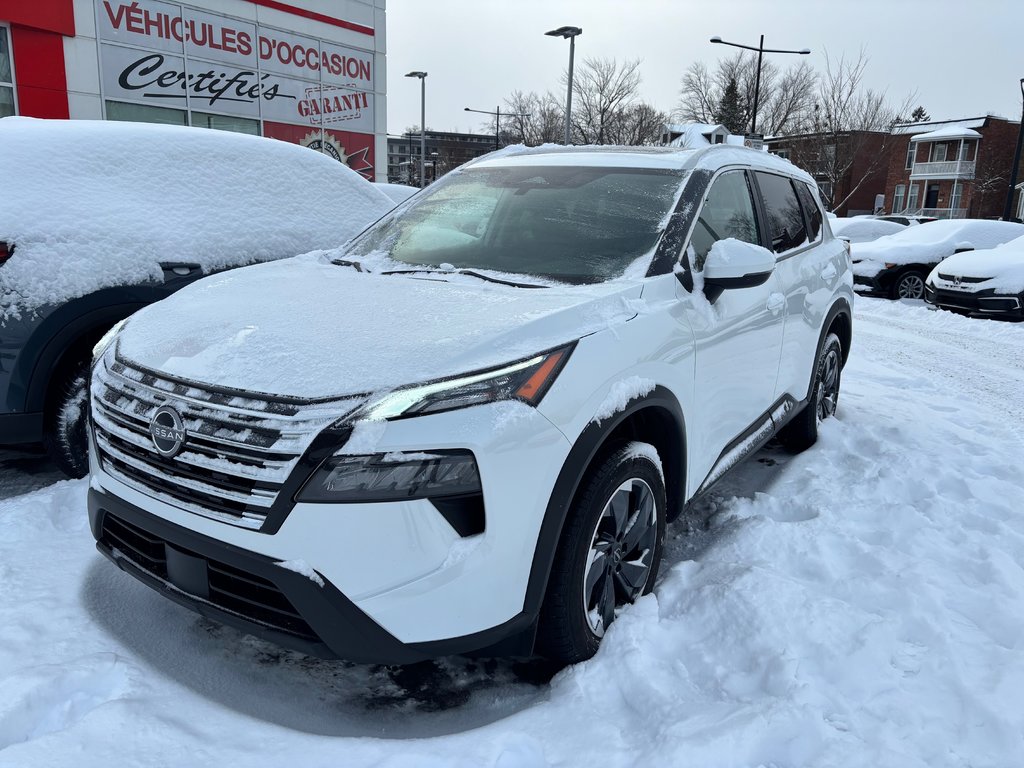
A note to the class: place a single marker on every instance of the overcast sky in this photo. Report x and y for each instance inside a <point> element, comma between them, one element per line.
<point>961,59</point>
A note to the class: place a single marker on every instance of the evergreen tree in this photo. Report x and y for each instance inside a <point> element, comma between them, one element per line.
<point>730,112</point>
<point>919,116</point>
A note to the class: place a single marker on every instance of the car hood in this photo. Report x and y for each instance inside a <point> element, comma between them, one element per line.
<point>309,329</point>
<point>1002,268</point>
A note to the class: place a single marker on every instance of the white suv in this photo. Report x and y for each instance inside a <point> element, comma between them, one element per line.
<point>465,432</point>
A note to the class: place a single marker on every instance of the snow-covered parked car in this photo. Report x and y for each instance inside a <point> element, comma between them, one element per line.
<point>466,430</point>
<point>863,229</point>
<point>398,193</point>
<point>895,266</point>
<point>98,219</point>
<point>984,283</point>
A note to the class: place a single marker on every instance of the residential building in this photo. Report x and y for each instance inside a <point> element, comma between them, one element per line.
<point>952,168</point>
<point>850,167</point>
<point>696,135</point>
<point>445,151</point>
<point>304,71</point>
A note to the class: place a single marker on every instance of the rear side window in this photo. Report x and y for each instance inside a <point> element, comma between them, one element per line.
<point>809,201</point>
<point>728,212</point>
<point>785,219</point>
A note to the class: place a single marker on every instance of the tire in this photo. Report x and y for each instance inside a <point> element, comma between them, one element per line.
<point>604,548</point>
<point>65,435</point>
<point>802,432</point>
<point>909,285</point>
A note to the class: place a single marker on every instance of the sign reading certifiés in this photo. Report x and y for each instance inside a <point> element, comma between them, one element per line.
<point>165,54</point>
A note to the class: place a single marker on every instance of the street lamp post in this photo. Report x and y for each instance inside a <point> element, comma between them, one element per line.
<point>761,50</point>
<point>423,125</point>
<point>570,33</point>
<point>1008,209</point>
<point>496,114</point>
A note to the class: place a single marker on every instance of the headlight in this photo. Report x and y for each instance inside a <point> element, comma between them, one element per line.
<point>393,477</point>
<point>526,380</point>
<point>106,339</point>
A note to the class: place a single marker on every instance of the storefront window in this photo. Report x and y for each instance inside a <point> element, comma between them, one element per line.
<point>140,113</point>
<point>225,123</point>
<point>6,76</point>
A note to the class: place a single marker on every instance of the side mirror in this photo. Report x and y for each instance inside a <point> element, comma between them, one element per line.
<point>735,264</point>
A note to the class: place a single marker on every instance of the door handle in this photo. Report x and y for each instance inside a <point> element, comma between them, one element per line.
<point>829,272</point>
<point>776,303</point>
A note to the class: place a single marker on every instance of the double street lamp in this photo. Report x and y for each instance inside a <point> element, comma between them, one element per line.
<point>496,114</point>
<point>569,33</point>
<point>423,125</point>
<point>761,50</point>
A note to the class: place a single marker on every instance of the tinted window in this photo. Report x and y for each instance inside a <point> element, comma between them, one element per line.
<point>577,224</point>
<point>728,212</point>
<point>809,201</point>
<point>785,219</point>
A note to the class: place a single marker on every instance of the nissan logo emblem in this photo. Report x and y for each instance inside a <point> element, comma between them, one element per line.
<point>167,431</point>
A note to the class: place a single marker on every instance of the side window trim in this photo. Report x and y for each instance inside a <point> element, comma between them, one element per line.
<point>805,197</point>
<point>766,223</point>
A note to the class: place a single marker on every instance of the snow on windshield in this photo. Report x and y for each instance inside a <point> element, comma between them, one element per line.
<point>96,204</point>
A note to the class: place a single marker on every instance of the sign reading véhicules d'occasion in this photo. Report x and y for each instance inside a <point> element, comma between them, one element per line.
<point>171,55</point>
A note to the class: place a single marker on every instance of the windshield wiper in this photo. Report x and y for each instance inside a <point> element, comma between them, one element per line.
<point>346,263</point>
<point>470,272</point>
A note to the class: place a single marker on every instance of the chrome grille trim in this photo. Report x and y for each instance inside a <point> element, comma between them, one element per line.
<point>238,453</point>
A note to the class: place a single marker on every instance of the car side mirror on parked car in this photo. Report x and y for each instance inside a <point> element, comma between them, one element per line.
<point>733,264</point>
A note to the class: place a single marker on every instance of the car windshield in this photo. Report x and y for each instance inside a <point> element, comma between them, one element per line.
<point>574,224</point>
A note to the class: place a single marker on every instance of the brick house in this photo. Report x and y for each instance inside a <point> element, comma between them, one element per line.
<point>951,169</point>
<point>850,168</point>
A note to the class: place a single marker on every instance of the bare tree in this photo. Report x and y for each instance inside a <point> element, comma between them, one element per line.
<point>849,123</point>
<point>785,98</point>
<point>601,89</point>
<point>640,124</point>
<point>533,119</point>
<point>991,175</point>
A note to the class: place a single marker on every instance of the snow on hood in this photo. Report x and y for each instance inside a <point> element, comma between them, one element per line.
<point>98,204</point>
<point>930,243</point>
<point>306,328</point>
<point>1004,264</point>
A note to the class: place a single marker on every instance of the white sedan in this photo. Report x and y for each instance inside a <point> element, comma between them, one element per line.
<point>987,283</point>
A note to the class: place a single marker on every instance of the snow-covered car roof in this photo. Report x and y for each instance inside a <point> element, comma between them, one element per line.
<point>398,193</point>
<point>1002,266</point>
<point>94,204</point>
<point>932,242</point>
<point>670,158</point>
<point>864,229</point>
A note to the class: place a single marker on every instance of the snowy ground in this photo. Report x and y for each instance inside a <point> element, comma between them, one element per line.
<point>859,605</point>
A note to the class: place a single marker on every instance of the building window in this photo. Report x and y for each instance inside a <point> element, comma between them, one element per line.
<point>225,123</point>
<point>938,153</point>
<point>142,113</point>
<point>783,153</point>
<point>911,152</point>
<point>958,192</point>
<point>897,198</point>
<point>912,200</point>
<point>7,105</point>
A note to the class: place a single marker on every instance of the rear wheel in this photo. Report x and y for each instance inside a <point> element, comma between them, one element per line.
<point>909,285</point>
<point>608,555</point>
<point>802,432</point>
<point>65,434</point>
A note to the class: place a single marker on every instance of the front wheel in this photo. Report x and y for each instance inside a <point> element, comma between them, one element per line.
<point>65,429</point>
<point>802,432</point>
<point>608,555</point>
<point>909,285</point>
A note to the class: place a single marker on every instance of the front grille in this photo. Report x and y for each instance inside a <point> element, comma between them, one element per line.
<point>955,300</point>
<point>238,452</point>
<point>231,589</point>
<point>951,278</point>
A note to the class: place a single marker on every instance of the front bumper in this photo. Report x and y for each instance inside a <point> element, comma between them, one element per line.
<point>980,304</point>
<point>878,285</point>
<point>400,584</point>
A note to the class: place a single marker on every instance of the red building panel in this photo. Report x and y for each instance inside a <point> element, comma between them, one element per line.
<point>39,71</point>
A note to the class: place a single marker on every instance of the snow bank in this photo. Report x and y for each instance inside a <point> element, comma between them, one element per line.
<point>930,243</point>
<point>864,229</point>
<point>97,204</point>
<point>1004,264</point>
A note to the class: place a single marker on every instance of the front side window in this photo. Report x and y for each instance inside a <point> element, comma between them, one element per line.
<point>575,224</point>
<point>785,219</point>
<point>728,212</point>
<point>6,76</point>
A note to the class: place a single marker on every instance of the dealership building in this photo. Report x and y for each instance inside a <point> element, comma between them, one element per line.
<point>310,72</point>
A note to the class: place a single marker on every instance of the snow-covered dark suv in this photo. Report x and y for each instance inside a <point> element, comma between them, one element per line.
<point>100,219</point>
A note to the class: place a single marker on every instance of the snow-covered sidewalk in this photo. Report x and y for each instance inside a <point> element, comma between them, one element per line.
<point>861,604</point>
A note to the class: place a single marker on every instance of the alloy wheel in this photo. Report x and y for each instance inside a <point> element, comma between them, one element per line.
<point>619,561</point>
<point>910,287</point>
<point>828,385</point>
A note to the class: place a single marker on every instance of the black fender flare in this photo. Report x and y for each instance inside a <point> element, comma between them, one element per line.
<point>841,308</point>
<point>574,469</point>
